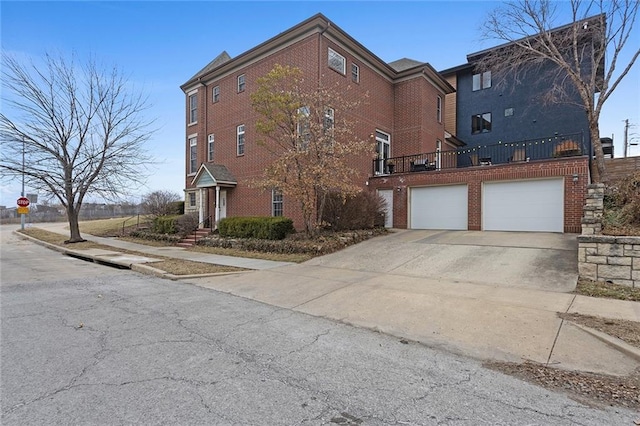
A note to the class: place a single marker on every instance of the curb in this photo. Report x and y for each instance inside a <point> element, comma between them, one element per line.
<point>136,267</point>
<point>614,342</point>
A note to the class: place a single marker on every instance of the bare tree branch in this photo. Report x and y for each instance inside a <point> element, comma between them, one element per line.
<point>571,58</point>
<point>82,129</point>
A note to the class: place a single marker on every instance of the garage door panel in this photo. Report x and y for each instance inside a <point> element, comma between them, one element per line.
<point>439,207</point>
<point>535,205</point>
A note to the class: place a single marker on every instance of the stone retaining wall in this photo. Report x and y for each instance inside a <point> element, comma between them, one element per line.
<point>604,257</point>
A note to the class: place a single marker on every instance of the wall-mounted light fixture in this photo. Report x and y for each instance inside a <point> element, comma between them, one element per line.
<point>398,189</point>
<point>575,177</point>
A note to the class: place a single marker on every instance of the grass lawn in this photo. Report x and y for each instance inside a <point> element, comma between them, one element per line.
<point>169,265</point>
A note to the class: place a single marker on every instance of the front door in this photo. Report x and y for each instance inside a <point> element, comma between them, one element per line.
<point>223,205</point>
<point>387,196</point>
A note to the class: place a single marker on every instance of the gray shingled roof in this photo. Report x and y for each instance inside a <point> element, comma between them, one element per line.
<point>404,64</point>
<point>218,172</point>
<point>219,60</point>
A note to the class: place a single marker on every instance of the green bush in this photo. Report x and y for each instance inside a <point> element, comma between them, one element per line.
<point>165,224</point>
<point>263,228</point>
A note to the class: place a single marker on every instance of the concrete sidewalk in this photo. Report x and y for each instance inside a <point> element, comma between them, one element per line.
<point>173,252</point>
<point>492,322</point>
<point>485,322</point>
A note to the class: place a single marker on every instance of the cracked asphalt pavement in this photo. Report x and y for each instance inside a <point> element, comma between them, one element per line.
<point>83,343</point>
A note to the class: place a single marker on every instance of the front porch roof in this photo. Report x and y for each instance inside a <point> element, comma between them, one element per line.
<point>213,175</point>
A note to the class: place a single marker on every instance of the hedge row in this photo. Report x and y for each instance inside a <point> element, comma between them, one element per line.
<point>262,228</point>
<point>154,236</point>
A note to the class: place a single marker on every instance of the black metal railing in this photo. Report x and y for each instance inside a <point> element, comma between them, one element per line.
<point>570,145</point>
<point>206,223</point>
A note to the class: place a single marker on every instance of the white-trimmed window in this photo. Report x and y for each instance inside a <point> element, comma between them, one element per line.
<point>193,154</point>
<point>240,139</point>
<point>215,94</point>
<point>241,83</point>
<point>383,150</point>
<point>192,199</point>
<point>355,73</point>
<point>277,203</point>
<point>439,109</point>
<point>482,81</point>
<point>193,108</point>
<point>210,147</point>
<point>337,61</point>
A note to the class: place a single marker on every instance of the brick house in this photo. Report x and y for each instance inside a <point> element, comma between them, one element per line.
<point>426,174</point>
<point>222,156</point>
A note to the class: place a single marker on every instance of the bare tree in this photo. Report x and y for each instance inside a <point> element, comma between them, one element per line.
<point>81,129</point>
<point>159,203</point>
<point>307,131</point>
<point>576,52</point>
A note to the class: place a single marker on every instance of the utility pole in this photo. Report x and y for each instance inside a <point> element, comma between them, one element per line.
<point>626,137</point>
<point>22,216</point>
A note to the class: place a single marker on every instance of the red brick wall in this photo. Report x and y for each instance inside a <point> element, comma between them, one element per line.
<point>376,92</point>
<point>475,176</point>
<point>416,126</point>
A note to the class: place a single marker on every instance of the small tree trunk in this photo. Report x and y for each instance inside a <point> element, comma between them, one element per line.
<point>594,132</point>
<point>72,216</point>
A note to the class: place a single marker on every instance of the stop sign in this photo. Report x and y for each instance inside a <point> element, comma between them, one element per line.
<point>23,202</point>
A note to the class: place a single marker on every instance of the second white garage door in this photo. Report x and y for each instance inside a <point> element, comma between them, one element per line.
<point>439,207</point>
<point>531,205</point>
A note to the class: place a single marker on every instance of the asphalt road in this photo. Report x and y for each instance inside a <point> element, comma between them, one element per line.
<point>87,344</point>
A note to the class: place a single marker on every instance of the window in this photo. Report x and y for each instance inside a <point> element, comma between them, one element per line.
<point>193,154</point>
<point>303,129</point>
<point>439,109</point>
<point>216,94</point>
<point>329,121</point>
<point>241,83</point>
<point>482,81</point>
<point>355,73</point>
<point>193,108</point>
<point>192,199</point>
<point>383,150</point>
<point>277,203</point>
<point>336,61</point>
<point>210,146</point>
<point>240,139</point>
<point>481,123</point>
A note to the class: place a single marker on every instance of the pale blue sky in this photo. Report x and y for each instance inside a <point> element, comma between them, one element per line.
<point>162,44</point>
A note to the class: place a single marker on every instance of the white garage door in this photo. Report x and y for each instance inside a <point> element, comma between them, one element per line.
<point>531,205</point>
<point>439,207</point>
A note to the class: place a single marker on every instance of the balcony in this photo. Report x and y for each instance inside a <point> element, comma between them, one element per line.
<point>556,146</point>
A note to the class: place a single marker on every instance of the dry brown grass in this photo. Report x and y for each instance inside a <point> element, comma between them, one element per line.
<point>169,265</point>
<point>607,290</point>
<point>110,227</point>
<point>187,267</point>
<point>628,331</point>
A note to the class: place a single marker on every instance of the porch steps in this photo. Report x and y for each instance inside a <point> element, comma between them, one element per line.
<point>191,239</point>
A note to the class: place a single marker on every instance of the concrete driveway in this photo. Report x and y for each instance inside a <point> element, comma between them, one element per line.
<point>542,261</point>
